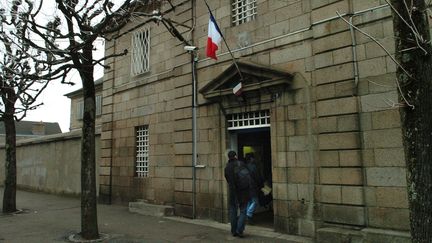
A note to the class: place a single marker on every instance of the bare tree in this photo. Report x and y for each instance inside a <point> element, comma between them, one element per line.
<point>77,25</point>
<point>24,74</point>
<point>414,54</point>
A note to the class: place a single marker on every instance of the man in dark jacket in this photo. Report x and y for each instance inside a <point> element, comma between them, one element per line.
<point>237,198</point>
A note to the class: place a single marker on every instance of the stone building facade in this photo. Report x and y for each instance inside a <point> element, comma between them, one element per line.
<point>77,107</point>
<point>317,110</point>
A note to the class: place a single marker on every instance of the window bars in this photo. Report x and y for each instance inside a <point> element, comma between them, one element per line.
<point>243,11</point>
<point>142,151</point>
<point>98,105</point>
<point>255,119</point>
<point>140,51</point>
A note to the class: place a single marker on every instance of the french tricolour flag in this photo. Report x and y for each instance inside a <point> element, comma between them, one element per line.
<point>213,43</point>
<point>214,37</point>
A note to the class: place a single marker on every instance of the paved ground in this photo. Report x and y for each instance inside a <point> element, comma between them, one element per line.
<point>50,218</point>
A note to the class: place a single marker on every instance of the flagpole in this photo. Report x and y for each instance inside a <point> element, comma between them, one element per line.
<point>226,44</point>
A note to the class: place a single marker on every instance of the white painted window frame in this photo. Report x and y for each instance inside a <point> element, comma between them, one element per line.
<point>243,11</point>
<point>142,151</point>
<point>248,120</point>
<point>140,58</point>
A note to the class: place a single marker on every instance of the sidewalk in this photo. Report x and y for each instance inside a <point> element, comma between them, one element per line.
<point>50,218</point>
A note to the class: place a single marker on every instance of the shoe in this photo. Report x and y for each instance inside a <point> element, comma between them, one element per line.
<point>239,235</point>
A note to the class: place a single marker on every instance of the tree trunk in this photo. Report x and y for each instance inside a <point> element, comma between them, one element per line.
<point>416,116</point>
<point>9,195</point>
<point>89,224</point>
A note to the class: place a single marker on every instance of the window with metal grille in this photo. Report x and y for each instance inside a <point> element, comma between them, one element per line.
<point>243,11</point>
<point>141,51</point>
<point>98,105</point>
<point>254,119</point>
<point>142,151</point>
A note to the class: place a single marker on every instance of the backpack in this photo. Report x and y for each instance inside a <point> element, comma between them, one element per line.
<point>242,177</point>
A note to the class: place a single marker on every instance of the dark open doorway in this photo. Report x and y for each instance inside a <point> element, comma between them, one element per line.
<point>257,141</point>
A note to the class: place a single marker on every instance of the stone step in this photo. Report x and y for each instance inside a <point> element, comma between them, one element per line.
<point>337,234</point>
<point>148,209</point>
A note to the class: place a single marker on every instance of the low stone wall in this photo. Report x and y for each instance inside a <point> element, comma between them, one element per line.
<point>50,163</point>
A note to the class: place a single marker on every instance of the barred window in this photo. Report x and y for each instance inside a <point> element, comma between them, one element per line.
<point>98,105</point>
<point>142,151</point>
<point>255,119</point>
<point>140,51</point>
<point>243,11</point>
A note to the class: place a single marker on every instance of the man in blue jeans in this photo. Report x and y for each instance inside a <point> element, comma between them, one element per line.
<point>238,195</point>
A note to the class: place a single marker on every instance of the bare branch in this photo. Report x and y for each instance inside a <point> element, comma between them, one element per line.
<point>410,26</point>
<point>109,57</point>
<point>386,51</point>
<point>377,42</point>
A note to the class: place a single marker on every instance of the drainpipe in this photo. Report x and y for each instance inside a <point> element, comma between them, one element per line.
<point>354,42</point>
<point>354,53</point>
<point>112,140</point>
<point>359,123</point>
<point>355,89</point>
<point>356,92</point>
<point>194,132</point>
<point>194,59</point>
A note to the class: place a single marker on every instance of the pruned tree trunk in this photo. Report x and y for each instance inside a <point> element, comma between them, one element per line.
<point>89,223</point>
<point>416,115</point>
<point>9,194</point>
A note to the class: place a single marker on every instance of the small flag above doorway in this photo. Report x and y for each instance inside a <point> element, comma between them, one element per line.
<point>237,90</point>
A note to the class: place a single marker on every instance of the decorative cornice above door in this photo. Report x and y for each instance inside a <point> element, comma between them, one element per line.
<point>256,78</point>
